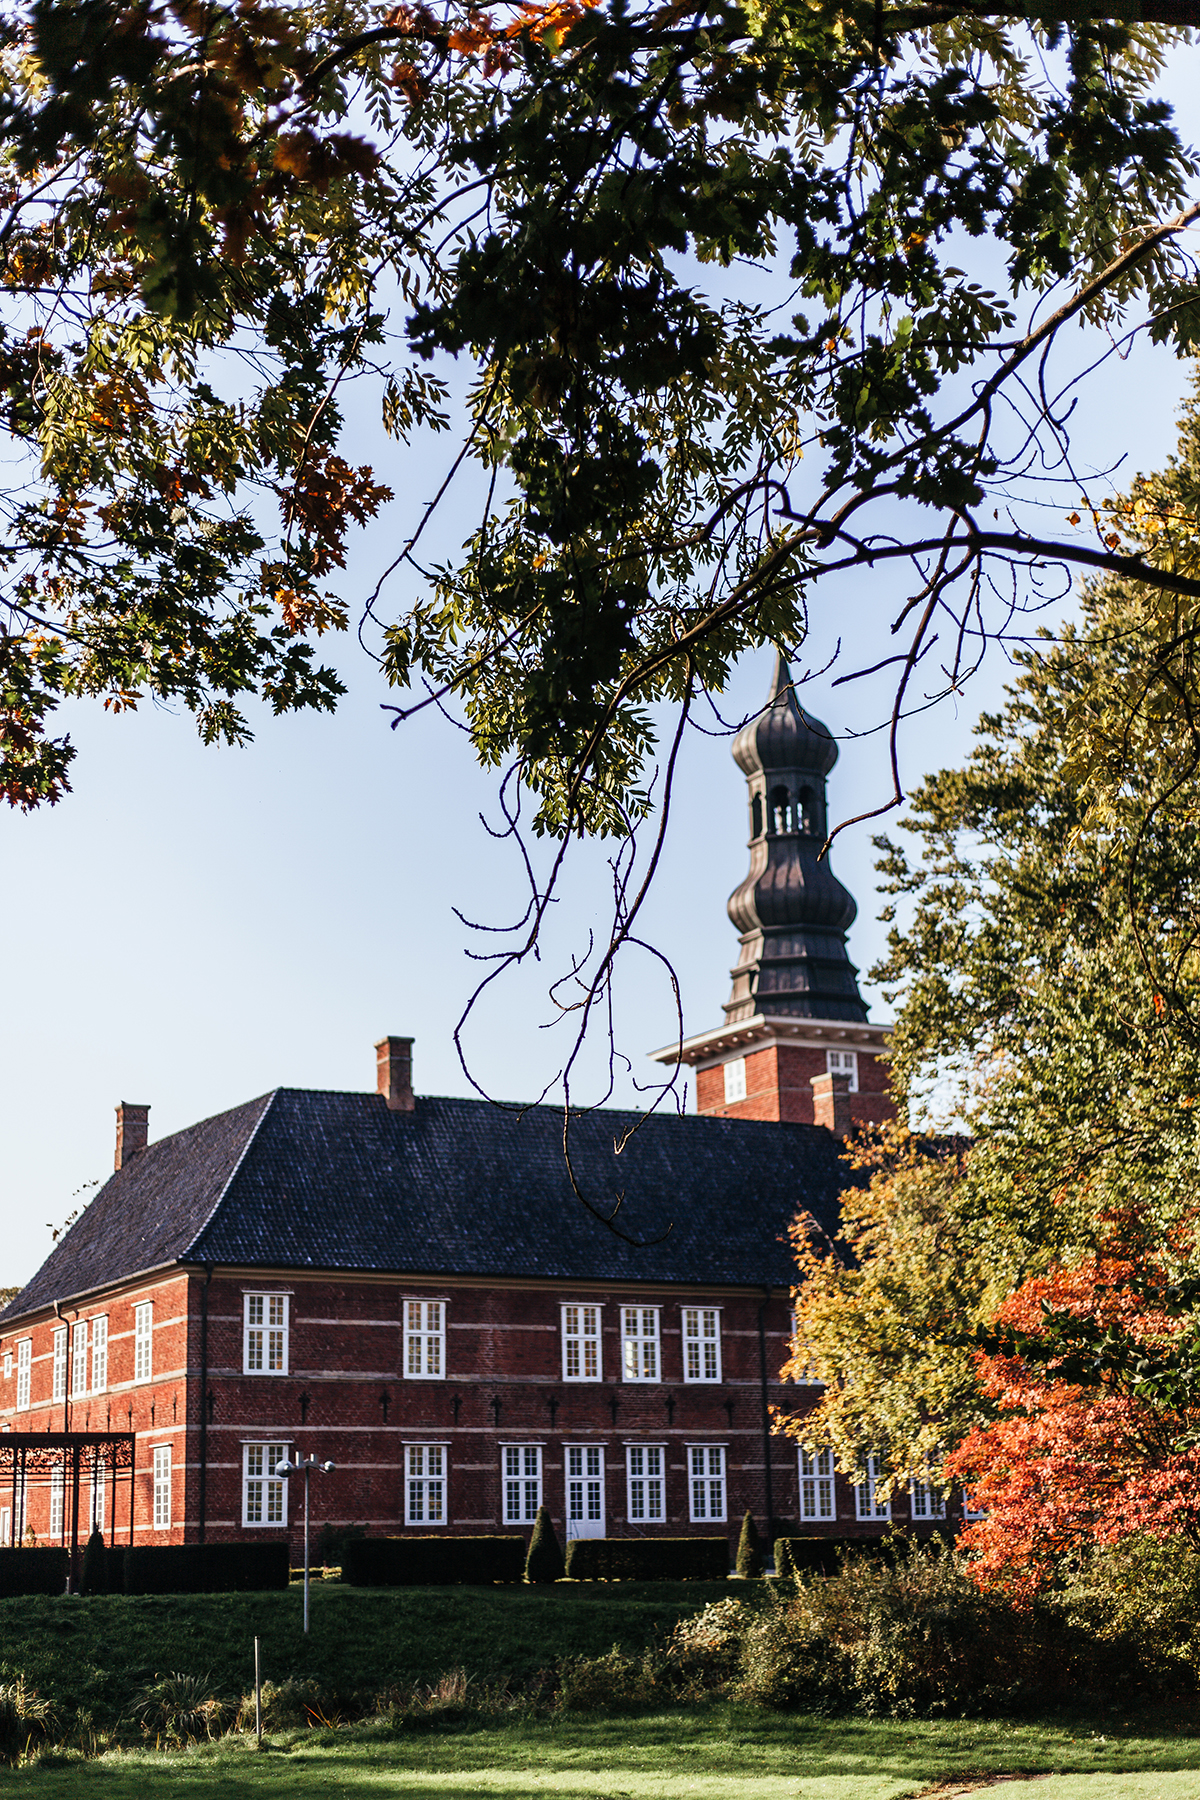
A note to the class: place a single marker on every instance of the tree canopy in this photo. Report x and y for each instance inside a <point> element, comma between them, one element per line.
<point>217,218</point>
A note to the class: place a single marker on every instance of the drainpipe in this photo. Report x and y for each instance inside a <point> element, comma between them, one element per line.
<point>766,1415</point>
<point>203,1482</point>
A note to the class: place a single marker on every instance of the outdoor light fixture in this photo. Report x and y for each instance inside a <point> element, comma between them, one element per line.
<point>304,1465</point>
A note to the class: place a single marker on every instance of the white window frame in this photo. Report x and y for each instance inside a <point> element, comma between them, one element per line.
<point>99,1476</point>
<point>706,1472</point>
<point>866,1496</point>
<point>266,1330</point>
<point>6,1527</point>
<point>970,1511</point>
<point>143,1341</point>
<point>424,1339</point>
<point>735,1079</point>
<point>843,1062</point>
<point>426,1483</point>
<point>99,1353</point>
<point>264,1493</point>
<point>520,1482</point>
<point>816,1476</point>
<point>583,1472</point>
<point>641,1343</point>
<point>162,1487</point>
<point>646,1484</point>
<point>582,1342</point>
<point>8,1365</point>
<point>58,1500</point>
<point>925,1501</point>
<point>79,1358</point>
<point>24,1372</point>
<point>701,1346</point>
<point>58,1390</point>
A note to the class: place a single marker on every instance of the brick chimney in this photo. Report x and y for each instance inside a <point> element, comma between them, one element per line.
<point>393,1073</point>
<point>133,1132</point>
<point>831,1104</point>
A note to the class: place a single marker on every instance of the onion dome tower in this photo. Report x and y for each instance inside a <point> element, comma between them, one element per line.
<point>796,1044</point>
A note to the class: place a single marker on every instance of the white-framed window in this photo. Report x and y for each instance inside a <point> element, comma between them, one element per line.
<point>264,1493</point>
<point>96,1510</point>
<point>162,1487</point>
<point>59,1389</point>
<point>24,1370</point>
<point>58,1493</point>
<point>970,1510</point>
<point>581,1343</point>
<point>265,1334</point>
<point>425,1484</point>
<point>706,1481</point>
<point>521,1468</point>
<point>701,1343</point>
<point>843,1062</point>
<point>645,1478</point>
<point>585,1490</point>
<point>99,1353</point>
<point>79,1350</point>
<point>735,1080</point>
<point>803,1372</point>
<point>867,1502</point>
<point>425,1340</point>
<point>6,1537</point>
<point>926,1501</point>
<point>7,1365</point>
<point>143,1340</point>
<point>817,1498</point>
<point>639,1343</point>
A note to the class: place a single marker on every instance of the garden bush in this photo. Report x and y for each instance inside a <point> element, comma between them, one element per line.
<point>177,1710</point>
<point>648,1559</point>
<point>545,1560</point>
<point>433,1561</point>
<point>252,1567</point>
<point>286,1705</point>
<point>749,1561</point>
<point>95,1565</point>
<point>616,1682</point>
<point>27,1570</point>
<point>25,1719</point>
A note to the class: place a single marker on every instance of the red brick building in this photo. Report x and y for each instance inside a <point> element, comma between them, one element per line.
<point>410,1288</point>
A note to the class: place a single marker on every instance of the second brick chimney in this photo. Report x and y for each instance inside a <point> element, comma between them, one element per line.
<point>133,1131</point>
<point>831,1104</point>
<point>393,1073</point>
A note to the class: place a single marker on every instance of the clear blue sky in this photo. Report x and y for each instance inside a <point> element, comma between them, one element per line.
<point>191,926</point>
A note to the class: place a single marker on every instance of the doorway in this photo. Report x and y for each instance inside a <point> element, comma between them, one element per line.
<point>585,1491</point>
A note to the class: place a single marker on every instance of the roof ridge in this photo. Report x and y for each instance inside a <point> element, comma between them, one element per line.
<point>268,1102</point>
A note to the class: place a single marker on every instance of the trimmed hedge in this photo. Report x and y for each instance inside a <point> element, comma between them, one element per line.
<point>247,1567</point>
<point>648,1559</point>
<point>27,1570</point>
<point>821,1555</point>
<point>433,1561</point>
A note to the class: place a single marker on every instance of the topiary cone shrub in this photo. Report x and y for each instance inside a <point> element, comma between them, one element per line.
<point>545,1560</point>
<point>749,1550</point>
<point>95,1565</point>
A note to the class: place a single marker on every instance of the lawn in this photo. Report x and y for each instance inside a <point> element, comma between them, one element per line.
<point>718,1752</point>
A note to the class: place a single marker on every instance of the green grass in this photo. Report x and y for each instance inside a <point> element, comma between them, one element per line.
<point>718,1752</point>
<point>95,1653</point>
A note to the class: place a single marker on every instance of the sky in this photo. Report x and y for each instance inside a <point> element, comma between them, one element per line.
<point>194,926</point>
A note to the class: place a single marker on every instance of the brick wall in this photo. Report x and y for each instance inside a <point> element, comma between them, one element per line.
<point>779,1087</point>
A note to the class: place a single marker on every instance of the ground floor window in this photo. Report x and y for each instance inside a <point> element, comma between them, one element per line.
<point>645,1474</point>
<point>706,1481</point>
<point>867,1501</point>
<point>926,1502</point>
<point>521,1465</point>
<point>425,1484</point>
<point>58,1489</point>
<point>264,1494</point>
<point>816,1485</point>
<point>585,1490</point>
<point>96,1511</point>
<point>162,1487</point>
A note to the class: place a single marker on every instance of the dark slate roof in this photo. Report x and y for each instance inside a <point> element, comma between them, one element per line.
<point>458,1187</point>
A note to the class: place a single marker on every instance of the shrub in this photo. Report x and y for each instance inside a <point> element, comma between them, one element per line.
<point>180,1709</point>
<point>433,1561</point>
<point>749,1550</point>
<point>33,1571</point>
<point>206,1568</point>
<point>825,1555</point>
<point>545,1560</point>
<point>287,1705</point>
<point>648,1559</point>
<point>330,1550</point>
<point>25,1719</point>
<point>613,1683</point>
<point>704,1651</point>
<point>95,1565</point>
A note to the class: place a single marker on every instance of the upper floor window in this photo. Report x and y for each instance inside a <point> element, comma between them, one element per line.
<point>868,1503</point>
<point>425,1484</point>
<point>816,1485</point>
<point>706,1481</point>
<point>99,1353</point>
<point>424,1339</point>
<point>522,1470</point>
<point>639,1343</point>
<point>7,1364</point>
<point>645,1469</point>
<point>843,1062</point>
<point>143,1341</point>
<point>264,1493</point>
<point>701,1343</point>
<point>735,1079</point>
<point>79,1350</point>
<point>926,1501</point>
<point>581,1343</point>
<point>24,1367</point>
<point>59,1389</point>
<point>162,1487</point>
<point>265,1349</point>
<point>802,1367</point>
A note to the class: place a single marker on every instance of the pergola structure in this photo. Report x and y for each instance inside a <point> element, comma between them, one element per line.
<point>38,1454</point>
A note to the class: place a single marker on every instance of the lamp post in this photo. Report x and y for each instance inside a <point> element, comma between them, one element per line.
<point>304,1465</point>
